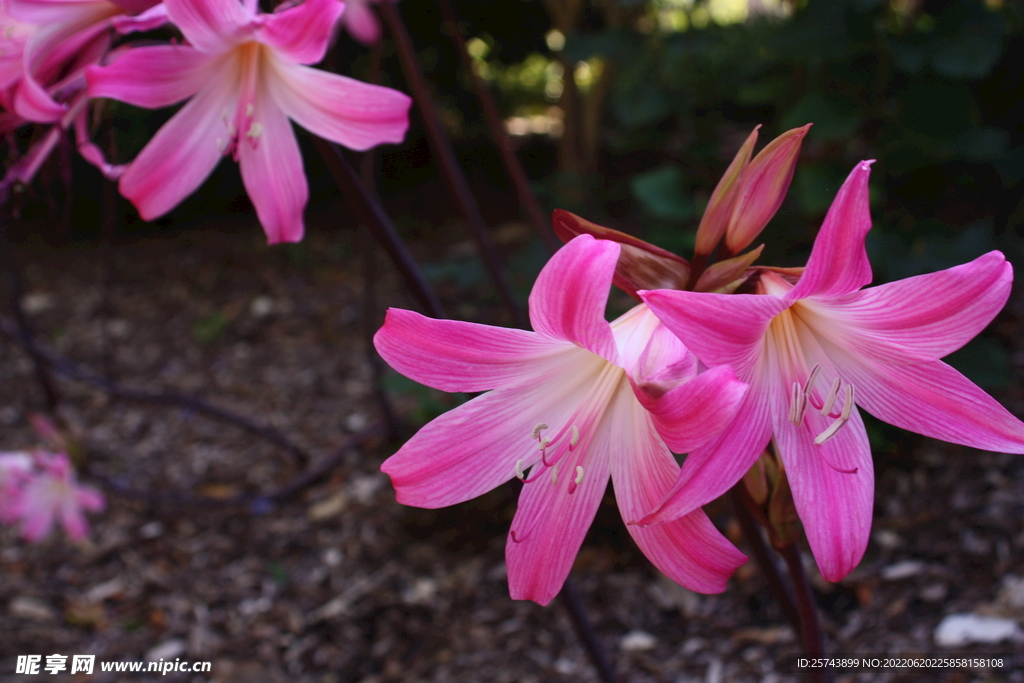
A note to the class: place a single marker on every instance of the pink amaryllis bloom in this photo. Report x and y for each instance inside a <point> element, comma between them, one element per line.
<point>572,404</point>
<point>244,72</point>
<point>54,494</point>
<point>15,472</point>
<point>814,350</point>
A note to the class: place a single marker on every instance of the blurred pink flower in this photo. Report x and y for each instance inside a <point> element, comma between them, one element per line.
<point>361,22</point>
<point>53,493</point>
<point>804,348</point>
<point>58,39</point>
<point>565,413</point>
<point>243,72</point>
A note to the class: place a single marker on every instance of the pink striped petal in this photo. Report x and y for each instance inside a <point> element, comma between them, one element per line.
<point>451,355</point>
<point>690,414</point>
<point>212,26</point>
<point>474,448</point>
<point>51,13</point>
<point>834,506</point>
<point>711,470</point>
<point>271,166</point>
<point>550,525</point>
<point>151,77</point>
<point>570,294</point>
<point>689,550</point>
<point>355,114</point>
<point>361,22</point>
<point>148,20</point>
<point>839,263</point>
<point>928,316</point>
<point>301,33</point>
<point>721,329</point>
<point>181,155</point>
<point>933,399</point>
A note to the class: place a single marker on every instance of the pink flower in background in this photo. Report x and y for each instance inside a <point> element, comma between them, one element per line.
<point>813,351</point>
<point>361,22</point>
<point>565,413</point>
<point>15,472</point>
<point>60,39</point>
<point>54,494</point>
<point>245,76</point>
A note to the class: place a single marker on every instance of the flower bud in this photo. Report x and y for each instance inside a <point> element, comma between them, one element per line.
<point>716,217</point>
<point>762,187</point>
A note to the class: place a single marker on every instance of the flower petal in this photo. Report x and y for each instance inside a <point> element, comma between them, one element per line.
<point>935,400</point>
<point>147,20</point>
<point>834,506</point>
<point>301,33</point>
<point>151,77</point>
<point>550,525</point>
<point>451,355</point>
<point>349,112</point>
<point>181,155</point>
<point>839,263</point>
<point>474,448</point>
<point>690,550</point>
<point>928,316</point>
<point>212,26</point>
<point>571,292</point>
<point>271,166</point>
<point>694,412</point>
<point>711,470</point>
<point>721,329</point>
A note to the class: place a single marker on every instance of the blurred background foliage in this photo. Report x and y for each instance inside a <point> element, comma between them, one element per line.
<point>628,111</point>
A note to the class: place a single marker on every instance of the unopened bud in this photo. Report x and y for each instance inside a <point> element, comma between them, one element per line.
<point>716,217</point>
<point>763,186</point>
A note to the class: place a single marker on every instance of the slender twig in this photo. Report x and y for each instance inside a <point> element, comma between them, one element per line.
<point>21,325</point>
<point>258,503</point>
<point>742,504</point>
<point>369,213</point>
<point>585,630</point>
<point>810,629</point>
<point>76,371</point>
<point>513,167</point>
<point>445,156</point>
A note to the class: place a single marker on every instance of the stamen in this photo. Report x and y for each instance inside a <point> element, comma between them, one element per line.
<point>810,378</point>
<point>830,400</point>
<point>795,398</point>
<point>844,417</point>
<point>554,475</point>
<point>519,470</point>
<point>255,130</point>
<point>579,475</point>
<point>847,403</point>
<point>537,429</point>
<point>221,145</point>
<point>575,438</point>
<point>248,109</point>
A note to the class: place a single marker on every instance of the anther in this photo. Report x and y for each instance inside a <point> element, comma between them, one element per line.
<point>248,109</point>
<point>221,145</point>
<point>796,397</point>
<point>519,470</point>
<point>255,130</point>
<point>830,400</point>
<point>554,475</point>
<point>575,438</point>
<point>810,378</point>
<point>537,429</point>
<point>844,417</point>
<point>579,475</point>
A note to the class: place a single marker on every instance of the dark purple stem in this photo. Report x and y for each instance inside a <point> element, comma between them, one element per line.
<point>527,199</point>
<point>743,504</point>
<point>573,604</point>
<point>810,629</point>
<point>445,155</point>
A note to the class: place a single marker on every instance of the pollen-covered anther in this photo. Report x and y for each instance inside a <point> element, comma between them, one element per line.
<point>520,475</point>
<point>248,109</point>
<point>579,475</point>
<point>537,430</point>
<point>575,438</point>
<point>844,417</point>
<point>830,400</point>
<point>255,130</point>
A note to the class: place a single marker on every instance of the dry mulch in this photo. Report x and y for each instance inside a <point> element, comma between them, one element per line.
<point>341,583</point>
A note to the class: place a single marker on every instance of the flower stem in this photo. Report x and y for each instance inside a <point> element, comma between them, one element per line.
<point>810,628</point>
<point>742,504</point>
<point>573,604</point>
<point>445,156</point>
<point>527,199</point>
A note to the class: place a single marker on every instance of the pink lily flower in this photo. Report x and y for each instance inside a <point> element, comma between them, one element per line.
<point>54,494</point>
<point>63,37</point>
<point>814,350</point>
<point>360,21</point>
<point>245,76</point>
<point>571,405</point>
